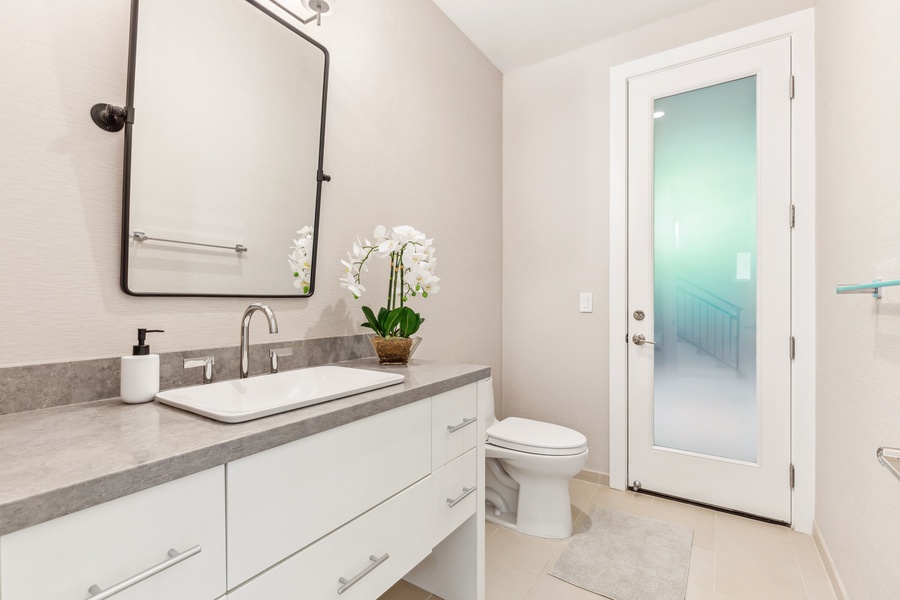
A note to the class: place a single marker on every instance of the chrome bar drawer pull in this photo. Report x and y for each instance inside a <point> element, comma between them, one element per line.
<point>347,584</point>
<point>455,428</point>
<point>466,491</point>
<point>175,557</point>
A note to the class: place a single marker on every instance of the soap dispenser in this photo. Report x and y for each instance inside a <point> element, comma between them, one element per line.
<point>140,371</point>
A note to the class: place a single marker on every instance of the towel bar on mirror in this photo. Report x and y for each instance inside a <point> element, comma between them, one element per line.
<point>140,236</point>
<point>890,458</point>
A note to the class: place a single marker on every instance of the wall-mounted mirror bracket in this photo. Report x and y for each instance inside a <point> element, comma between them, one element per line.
<point>323,177</point>
<point>110,117</point>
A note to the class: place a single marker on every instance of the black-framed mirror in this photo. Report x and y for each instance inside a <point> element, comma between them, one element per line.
<point>224,140</point>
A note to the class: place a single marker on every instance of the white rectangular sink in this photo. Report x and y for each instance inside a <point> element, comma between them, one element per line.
<point>242,400</point>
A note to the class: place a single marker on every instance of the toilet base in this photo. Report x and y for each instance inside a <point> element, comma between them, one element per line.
<point>539,505</point>
<point>507,520</point>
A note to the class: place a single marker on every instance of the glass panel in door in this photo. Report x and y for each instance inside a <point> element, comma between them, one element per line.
<point>704,271</point>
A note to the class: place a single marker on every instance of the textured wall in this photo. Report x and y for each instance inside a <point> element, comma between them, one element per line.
<point>858,375</point>
<point>556,218</point>
<point>413,137</point>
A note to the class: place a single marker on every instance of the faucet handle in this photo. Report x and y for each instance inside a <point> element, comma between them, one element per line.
<point>206,362</point>
<point>273,357</point>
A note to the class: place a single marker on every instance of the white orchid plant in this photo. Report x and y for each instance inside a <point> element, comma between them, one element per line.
<point>301,259</point>
<point>412,274</point>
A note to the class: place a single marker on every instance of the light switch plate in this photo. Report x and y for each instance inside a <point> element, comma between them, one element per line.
<point>587,302</point>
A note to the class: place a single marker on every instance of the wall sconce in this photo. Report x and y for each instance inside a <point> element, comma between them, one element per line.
<point>322,8</point>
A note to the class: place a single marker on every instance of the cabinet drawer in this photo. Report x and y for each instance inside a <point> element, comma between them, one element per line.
<point>399,529</point>
<point>111,542</point>
<point>453,503</point>
<point>283,499</point>
<point>454,428</point>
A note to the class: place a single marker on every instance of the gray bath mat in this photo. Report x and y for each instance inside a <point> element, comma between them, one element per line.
<point>626,557</point>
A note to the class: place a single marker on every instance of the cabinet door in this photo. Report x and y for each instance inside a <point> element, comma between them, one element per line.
<point>455,494</point>
<point>396,533</point>
<point>282,500</point>
<point>111,542</point>
<point>454,424</point>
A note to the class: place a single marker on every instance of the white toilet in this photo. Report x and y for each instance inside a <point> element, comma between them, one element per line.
<point>529,465</point>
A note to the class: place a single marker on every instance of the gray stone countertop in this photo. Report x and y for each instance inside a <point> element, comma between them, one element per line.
<point>60,460</point>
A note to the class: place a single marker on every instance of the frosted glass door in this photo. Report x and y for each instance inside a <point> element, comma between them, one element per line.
<point>709,279</point>
<point>704,279</point>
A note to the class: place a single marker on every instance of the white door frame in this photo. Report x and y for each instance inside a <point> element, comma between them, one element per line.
<point>799,27</point>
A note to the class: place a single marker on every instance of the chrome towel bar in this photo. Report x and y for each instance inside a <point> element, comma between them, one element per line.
<point>886,456</point>
<point>873,288</point>
<point>140,236</point>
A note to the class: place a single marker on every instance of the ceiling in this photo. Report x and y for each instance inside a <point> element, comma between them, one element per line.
<point>516,33</point>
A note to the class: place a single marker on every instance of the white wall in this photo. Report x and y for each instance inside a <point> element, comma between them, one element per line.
<point>555,219</point>
<point>413,137</point>
<point>858,377</point>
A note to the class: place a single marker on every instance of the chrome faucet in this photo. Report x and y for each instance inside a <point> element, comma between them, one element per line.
<point>245,333</point>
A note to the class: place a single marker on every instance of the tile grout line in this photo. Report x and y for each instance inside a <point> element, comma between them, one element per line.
<point>715,549</point>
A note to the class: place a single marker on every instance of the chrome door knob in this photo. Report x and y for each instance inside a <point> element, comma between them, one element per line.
<point>640,340</point>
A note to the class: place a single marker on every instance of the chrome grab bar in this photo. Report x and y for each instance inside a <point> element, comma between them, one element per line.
<point>466,491</point>
<point>888,455</point>
<point>346,584</point>
<point>175,557</point>
<point>140,236</point>
<point>455,428</point>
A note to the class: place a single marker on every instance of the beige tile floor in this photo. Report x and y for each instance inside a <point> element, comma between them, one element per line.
<point>732,558</point>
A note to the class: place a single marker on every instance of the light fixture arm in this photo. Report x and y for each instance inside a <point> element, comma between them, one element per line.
<point>316,17</point>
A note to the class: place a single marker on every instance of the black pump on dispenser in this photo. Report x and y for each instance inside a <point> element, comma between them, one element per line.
<point>140,371</point>
<point>142,348</point>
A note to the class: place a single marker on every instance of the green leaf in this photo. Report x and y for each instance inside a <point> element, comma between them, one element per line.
<point>391,320</point>
<point>409,322</point>
<point>372,321</point>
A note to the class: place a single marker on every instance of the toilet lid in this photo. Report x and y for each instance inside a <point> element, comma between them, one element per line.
<point>536,437</point>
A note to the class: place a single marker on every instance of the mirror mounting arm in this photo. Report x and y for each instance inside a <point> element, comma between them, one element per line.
<point>323,177</point>
<point>110,117</point>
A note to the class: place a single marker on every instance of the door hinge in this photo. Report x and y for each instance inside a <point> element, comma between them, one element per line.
<point>792,348</point>
<point>792,476</point>
<point>792,87</point>
<point>793,216</point>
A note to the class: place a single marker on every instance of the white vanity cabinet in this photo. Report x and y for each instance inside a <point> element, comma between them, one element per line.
<point>113,542</point>
<point>454,428</point>
<point>346,513</point>
<point>359,561</point>
<point>282,500</point>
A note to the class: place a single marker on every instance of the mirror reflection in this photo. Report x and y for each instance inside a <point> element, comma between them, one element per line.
<point>224,158</point>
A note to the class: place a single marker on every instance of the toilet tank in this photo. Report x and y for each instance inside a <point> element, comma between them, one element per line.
<point>486,398</point>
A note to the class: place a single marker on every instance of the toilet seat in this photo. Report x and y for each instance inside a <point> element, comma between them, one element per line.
<point>536,437</point>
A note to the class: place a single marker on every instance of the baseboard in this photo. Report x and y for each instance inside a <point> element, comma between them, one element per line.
<point>593,477</point>
<point>830,569</point>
